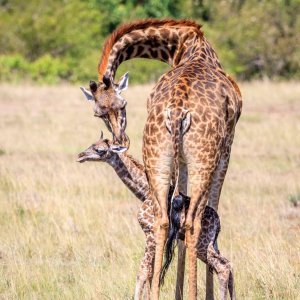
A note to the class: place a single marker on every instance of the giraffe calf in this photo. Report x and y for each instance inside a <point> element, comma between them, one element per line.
<point>133,175</point>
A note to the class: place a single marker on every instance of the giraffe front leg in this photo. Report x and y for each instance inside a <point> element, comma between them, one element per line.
<point>180,270</point>
<point>213,201</point>
<point>231,285</point>
<point>146,269</point>
<point>209,292</point>
<point>222,267</point>
<point>192,236</point>
<point>182,184</point>
<point>144,277</point>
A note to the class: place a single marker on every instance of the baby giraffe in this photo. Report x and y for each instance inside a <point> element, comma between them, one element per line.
<point>133,175</point>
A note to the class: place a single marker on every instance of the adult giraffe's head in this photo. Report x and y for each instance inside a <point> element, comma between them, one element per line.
<point>109,104</point>
<point>171,41</point>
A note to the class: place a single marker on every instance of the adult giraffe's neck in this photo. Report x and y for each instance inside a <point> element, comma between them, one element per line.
<point>132,173</point>
<point>169,41</point>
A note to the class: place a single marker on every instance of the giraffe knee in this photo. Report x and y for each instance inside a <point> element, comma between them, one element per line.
<point>188,225</point>
<point>220,265</point>
<point>142,278</point>
<point>164,223</point>
<point>211,252</point>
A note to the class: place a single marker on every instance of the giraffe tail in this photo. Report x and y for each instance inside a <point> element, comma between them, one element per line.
<point>177,122</point>
<point>176,206</point>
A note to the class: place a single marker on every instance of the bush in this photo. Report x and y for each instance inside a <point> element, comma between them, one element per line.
<point>51,41</point>
<point>13,67</point>
<point>48,69</point>
<point>45,69</point>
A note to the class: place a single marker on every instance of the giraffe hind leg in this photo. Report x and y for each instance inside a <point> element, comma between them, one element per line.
<point>199,182</point>
<point>192,237</point>
<point>159,183</point>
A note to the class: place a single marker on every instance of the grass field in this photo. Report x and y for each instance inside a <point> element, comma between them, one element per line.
<point>69,230</point>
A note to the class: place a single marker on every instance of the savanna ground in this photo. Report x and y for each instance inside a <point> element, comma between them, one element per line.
<point>69,230</point>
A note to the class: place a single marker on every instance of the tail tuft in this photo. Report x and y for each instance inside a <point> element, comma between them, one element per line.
<point>175,209</point>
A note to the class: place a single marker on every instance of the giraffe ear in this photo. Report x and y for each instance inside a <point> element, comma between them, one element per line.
<point>168,119</point>
<point>118,148</point>
<point>186,122</point>
<point>89,96</point>
<point>123,83</point>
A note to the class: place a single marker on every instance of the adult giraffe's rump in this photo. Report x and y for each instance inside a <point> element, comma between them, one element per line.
<point>197,84</point>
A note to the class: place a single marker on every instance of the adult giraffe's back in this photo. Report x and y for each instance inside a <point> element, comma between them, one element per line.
<point>195,96</point>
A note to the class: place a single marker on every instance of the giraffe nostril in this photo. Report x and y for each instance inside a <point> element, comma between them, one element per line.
<point>81,154</point>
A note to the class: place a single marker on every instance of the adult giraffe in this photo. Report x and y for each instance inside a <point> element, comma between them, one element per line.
<point>195,98</point>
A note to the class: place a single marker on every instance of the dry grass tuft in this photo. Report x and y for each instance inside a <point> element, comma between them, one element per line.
<point>69,230</point>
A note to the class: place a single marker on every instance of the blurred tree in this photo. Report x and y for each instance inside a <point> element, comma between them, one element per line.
<point>253,38</point>
<point>60,28</point>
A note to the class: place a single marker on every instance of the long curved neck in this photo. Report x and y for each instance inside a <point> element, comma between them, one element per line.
<point>132,173</point>
<point>173,43</point>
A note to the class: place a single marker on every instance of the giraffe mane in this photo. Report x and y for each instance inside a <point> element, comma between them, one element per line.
<point>137,25</point>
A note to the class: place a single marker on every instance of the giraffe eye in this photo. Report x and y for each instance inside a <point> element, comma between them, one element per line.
<point>100,151</point>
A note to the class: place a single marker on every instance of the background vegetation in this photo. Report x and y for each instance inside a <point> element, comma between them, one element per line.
<point>60,40</point>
